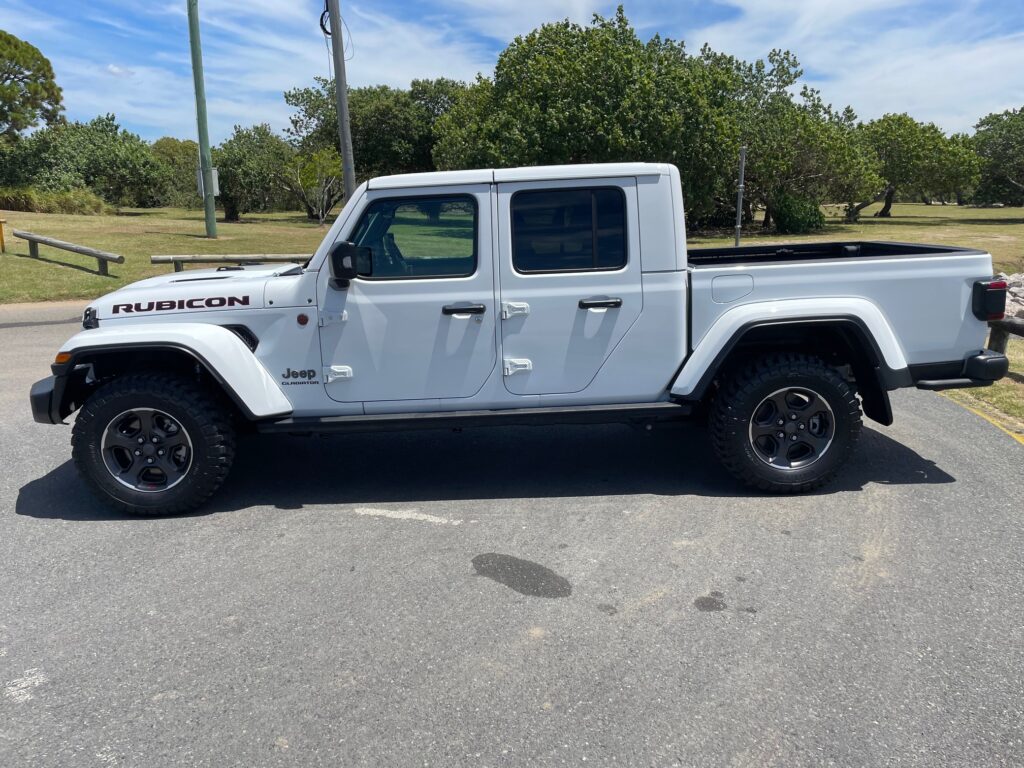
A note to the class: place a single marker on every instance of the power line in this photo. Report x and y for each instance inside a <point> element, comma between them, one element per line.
<point>326,29</point>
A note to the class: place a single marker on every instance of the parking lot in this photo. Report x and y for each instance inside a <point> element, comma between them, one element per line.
<point>547,596</point>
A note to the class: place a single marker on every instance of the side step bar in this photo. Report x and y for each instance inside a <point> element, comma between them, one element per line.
<point>588,414</point>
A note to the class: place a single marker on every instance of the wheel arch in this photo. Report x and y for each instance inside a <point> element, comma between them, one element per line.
<point>841,339</point>
<point>213,353</point>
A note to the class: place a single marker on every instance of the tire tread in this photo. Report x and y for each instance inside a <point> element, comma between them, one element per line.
<point>218,439</point>
<point>727,416</point>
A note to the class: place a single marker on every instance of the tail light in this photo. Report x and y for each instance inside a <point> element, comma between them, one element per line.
<point>988,301</point>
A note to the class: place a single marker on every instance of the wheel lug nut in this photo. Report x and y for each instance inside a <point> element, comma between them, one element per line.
<point>802,427</point>
<point>142,440</point>
<point>781,422</point>
<point>161,451</point>
<point>154,439</point>
<point>793,438</point>
<point>779,435</point>
<point>792,416</point>
<point>138,452</point>
<point>150,459</point>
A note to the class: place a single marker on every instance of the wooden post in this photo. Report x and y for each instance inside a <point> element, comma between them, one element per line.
<point>33,249</point>
<point>998,339</point>
<point>3,245</point>
<point>101,265</point>
<point>178,266</point>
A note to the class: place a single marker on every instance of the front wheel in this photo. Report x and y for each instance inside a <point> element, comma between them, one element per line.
<point>153,444</point>
<point>786,423</point>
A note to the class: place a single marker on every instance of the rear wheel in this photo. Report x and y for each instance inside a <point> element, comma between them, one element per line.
<point>786,423</point>
<point>153,444</point>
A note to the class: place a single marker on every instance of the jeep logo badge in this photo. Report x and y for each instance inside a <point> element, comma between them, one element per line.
<point>309,373</point>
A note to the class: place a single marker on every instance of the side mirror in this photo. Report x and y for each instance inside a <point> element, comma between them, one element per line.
<point>348,261</point>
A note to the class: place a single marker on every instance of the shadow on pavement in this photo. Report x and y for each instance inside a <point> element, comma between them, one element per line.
<point>494,463</point>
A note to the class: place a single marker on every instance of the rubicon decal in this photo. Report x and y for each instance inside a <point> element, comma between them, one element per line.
<point>212,302</point>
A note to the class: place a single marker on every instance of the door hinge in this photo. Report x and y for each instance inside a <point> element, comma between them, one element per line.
<point>513,308</point>
<point>335,372</point>
<point>326,318</point>
<point>512,366</point>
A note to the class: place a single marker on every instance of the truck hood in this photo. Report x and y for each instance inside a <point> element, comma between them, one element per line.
<point>200,290</point>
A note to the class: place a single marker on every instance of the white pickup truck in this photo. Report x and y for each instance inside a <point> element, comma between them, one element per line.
<point>515,296</point>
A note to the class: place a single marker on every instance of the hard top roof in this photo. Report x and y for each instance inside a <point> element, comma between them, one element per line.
<point>529,173</point>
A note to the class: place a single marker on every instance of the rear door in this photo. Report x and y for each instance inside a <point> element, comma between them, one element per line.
<point>569,278</point>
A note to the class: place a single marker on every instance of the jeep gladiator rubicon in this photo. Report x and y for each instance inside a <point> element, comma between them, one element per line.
<point>515,296</point>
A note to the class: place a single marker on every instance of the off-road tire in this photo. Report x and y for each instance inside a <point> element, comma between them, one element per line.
<point>733,412</point>
<point>204,419</point>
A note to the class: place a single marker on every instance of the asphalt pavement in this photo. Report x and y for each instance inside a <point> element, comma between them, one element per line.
<point>513,597</point>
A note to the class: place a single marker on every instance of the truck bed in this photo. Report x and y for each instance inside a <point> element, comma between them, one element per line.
<point>923,290</point>
<point>795,252</point>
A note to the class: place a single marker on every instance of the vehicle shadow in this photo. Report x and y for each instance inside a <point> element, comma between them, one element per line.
<point>494,463</point>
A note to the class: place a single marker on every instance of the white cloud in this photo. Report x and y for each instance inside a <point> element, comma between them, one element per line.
<point>884,56</point>
<point>119,71</point>
<point>505,20</point>
<point>946,64</point>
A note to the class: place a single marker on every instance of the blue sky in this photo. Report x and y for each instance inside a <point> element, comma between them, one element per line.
<point>941,60</point>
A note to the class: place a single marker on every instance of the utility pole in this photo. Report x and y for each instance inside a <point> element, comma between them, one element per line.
<point>205,159</point>
<point>739,195</point>
<point>348,164</point>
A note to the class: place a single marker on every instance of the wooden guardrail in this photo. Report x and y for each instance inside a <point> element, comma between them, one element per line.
<point>180,260</point>
<point>34,241</point>
<point>3,245</point>
<point>1001,330</point>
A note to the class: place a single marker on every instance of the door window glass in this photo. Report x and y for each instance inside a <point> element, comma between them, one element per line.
<point>419,237</point>
<point>568,230</point>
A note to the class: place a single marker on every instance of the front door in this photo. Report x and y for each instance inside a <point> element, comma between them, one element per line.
<point>570,284</point>
<point>420,323</point>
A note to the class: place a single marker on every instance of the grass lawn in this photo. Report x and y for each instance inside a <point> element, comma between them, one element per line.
<point>139,233</point>
<point>1006,396</point>
<point>136,235</point>
<point>999,231</point>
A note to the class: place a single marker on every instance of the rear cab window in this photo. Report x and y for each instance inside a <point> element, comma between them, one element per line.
<point>569,230</point>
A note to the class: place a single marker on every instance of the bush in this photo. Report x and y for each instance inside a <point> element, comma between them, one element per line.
<point>115,164</point>
<point>28,199</point>
<point>797,216</point>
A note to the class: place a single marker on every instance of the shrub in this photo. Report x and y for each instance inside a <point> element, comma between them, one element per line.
<point>797,216</point>
<point>117,165</point>
<point>76,201</point>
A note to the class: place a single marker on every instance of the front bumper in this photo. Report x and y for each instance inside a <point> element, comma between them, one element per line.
<point>43,396</point>
<point>56,397</point>
<point>978,370</point>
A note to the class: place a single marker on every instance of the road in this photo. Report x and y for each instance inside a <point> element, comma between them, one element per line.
<point>513,597</point>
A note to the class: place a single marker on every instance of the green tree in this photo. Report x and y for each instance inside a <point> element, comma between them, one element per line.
<point>390,132</point>
<point>314,123</point>
<point>250,164</point>
<point>392,128</point>
<point>28,91</point>
<point>800,150</point>
<point>999,143</point>
<point>315,179</point>
<point>177,160</point>
<point>566,93</point>
<point>99,155</point>
<point>904,148</point>
<point>951,167</point>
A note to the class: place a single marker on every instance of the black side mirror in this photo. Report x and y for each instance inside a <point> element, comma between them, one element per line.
<point>348,261</point>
